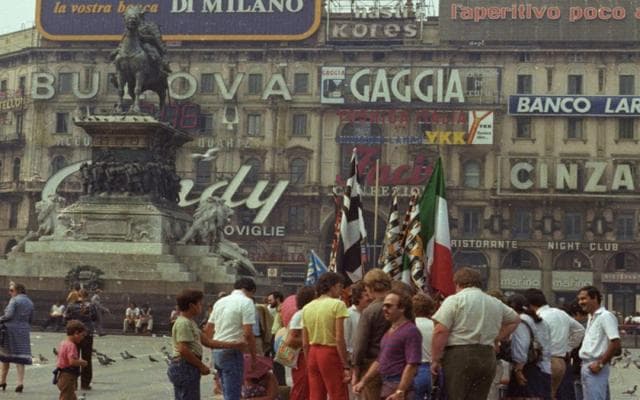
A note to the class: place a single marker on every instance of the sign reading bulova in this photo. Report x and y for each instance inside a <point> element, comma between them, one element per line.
<point>540,20</point>
<point>181,20</point>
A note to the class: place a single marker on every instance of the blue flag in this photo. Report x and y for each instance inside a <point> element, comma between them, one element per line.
<point>315,268</point>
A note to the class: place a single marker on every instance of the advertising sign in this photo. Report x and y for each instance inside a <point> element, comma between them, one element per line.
<point>540,20</point>
<point>181,20</point>
<point>520,279</point>
<point>570,280</point>
<point>576,106</point>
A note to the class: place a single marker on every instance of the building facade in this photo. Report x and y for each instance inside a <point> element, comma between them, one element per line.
<point>539,142</point>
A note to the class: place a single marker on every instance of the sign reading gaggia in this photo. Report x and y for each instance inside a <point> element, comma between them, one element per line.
<point>588,106</point>
<point>181,20</point>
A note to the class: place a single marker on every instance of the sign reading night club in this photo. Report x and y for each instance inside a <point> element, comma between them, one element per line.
<point>181,20</point>
<point>575,106</point>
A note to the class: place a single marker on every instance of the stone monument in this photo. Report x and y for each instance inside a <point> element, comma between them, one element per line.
<point>126,225</point>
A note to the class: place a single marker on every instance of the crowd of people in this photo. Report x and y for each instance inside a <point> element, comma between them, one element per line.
<point>385,341</point>
<point>378,339</point>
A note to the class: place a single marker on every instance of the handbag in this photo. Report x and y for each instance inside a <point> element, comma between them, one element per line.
<point>285,355</point>
<point>4,336</point>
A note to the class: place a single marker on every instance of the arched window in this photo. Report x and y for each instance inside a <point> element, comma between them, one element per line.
<point>57,164</point>
<point>203,172</point>
<point>471,172</point>
<point>520,259</point>
<point>256,169</point>
<point>298,171</point>
<point>16,170</point>
<point>10,245</point>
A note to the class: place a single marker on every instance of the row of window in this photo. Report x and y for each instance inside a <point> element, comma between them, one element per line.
<point>255,83</point>
<point>297,171</point>
<point>575,83</point>
<point>626,128</point>
<point>522,227</point>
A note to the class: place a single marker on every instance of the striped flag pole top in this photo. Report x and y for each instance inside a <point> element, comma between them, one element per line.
<point>391,257</point>
<point>335,245</point>
<point>414,247</point>
<point>352,229</point>
<point>434,232</point>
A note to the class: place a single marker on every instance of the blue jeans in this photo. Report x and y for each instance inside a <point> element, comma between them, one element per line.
<point>186,380</point>
<point>230,366</point>
<point>422,381</point>
<point>594,386</point>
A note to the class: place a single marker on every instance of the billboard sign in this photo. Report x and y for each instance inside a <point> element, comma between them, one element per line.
<point>181,20</point>
<point>540,20</point>
<point>575,106</point>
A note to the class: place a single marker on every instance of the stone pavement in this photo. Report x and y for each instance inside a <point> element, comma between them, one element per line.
<point>141,379</point>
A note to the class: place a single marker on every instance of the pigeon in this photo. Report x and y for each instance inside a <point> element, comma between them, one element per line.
<point>129,355</point>
<point>626,352</point>
<point>55,352</point>
<point>42,359</point>
<point>102,361</point>
<point>636,363</point>
<point>124,356</point>
<point>627,362</point>
<point>106,357</point>
<point>209,155</point>
<point>152,359</point>
<point>631,391</point>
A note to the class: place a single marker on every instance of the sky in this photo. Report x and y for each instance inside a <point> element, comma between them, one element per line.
<point>17,14</point>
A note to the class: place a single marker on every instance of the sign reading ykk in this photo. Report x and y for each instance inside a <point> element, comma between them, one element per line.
<point>181,20</point>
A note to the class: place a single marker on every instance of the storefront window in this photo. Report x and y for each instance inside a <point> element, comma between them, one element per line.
<point>520,259</point>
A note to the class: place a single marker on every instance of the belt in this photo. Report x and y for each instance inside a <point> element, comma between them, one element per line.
<point>468,346</point>
<point>560,357</point>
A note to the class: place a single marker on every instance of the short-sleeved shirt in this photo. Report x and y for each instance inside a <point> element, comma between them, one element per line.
<point>186,331</point>
<point>425,326</point>
<point>319,319</point>
<point>296,321</point>
<point>473,317</point>
<point>132,312</point>
<point>67,352</point>
<point>399,348</point>
<point>602,327</point>
<point>350,326</point>
<point>230,314</point>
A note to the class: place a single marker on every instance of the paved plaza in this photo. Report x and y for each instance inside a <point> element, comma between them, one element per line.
<point>142,379</point>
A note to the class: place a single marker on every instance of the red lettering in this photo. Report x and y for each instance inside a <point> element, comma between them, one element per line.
<point>189,117</point>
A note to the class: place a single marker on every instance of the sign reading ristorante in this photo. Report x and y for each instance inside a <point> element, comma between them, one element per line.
<point>184,20</point>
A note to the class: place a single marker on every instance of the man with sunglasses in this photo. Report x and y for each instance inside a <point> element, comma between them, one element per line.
<point>400,350</point>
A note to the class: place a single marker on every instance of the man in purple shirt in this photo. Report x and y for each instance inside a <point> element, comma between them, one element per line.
<point>400,350</point>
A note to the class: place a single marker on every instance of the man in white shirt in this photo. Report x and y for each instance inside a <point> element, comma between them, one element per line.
<point>359,301</point>
<point>566,334</point>
<point>232,320</point>
<point>467,327</point>
<point>131,315</point>
<point>601,343</point>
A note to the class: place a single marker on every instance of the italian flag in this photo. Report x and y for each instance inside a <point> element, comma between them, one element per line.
<point>434,231</point>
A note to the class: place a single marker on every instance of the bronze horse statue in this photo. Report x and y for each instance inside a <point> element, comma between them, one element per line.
<point>139,60</point>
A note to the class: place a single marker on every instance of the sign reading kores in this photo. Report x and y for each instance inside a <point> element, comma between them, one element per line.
<point>540,20</point>
<point>181,20</point>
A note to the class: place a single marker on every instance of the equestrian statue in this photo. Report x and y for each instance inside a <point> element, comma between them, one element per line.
<point>140,60</point>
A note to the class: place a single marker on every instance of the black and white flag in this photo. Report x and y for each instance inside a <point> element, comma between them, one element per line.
<point>352,230</point>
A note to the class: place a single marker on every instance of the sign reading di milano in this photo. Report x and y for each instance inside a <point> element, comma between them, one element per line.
<point>576,106</point>
<point>181,20</point>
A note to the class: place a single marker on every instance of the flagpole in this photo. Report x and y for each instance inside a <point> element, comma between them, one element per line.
<point>375,212</point>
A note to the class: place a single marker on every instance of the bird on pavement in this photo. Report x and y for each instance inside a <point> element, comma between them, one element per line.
<point>55,352</point>
<point>631,391</point>
<point>42,359</point>
<point>129,355</point>
<point>124,356</point>
<point>102,361</point>
<point>627,361</point>
<point>636,363</point>
<point>152,359</point>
